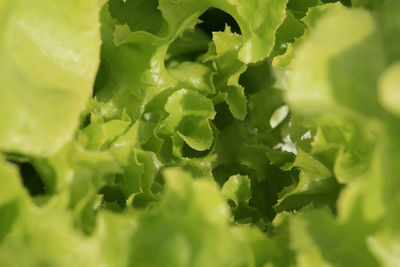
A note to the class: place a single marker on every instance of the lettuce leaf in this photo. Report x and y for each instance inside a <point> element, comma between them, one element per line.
<point>199,133</point>
<point>49,56</point>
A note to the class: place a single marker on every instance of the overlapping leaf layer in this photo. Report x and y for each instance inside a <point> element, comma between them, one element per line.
<point>215,133</point>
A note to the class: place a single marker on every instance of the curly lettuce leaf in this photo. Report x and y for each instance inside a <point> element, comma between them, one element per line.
<point>49,57</point>
<point>322,78</point>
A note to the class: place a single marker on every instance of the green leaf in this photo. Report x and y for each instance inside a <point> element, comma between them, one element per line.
<point>189,114</point>
<point>367,3</point>
<point>189,43</point>
<point>300,7</point>
<point>37,234</point>
<point>262,18</point>
<point>389,88</point>
<point>385,247</point>
<point>290,29</point>
<point>140,15</point>
<point>173,226</point>
<point>276,145</point>
<point>194,76</point>
<point>316,185</point>
<point>99,135</point>
<point>113,235</point>
<point>389,25</point>
<point>237,188</point>
<point>318,247</point>
<point>49,56</point>
<point>229,68</point>
<point>320,80</point>
<point>365,194</point>
<point>10,182</point>
<point>12,197</point>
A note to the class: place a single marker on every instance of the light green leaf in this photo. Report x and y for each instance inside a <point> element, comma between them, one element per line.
<point>320,80</point>
<point>386,248</point>
<point>37,234</point>
<point>237,189</point>
<point>194,76</point>
<point>316,185</point>
<point>318,247</point>
<point>189,115</point>
<point>49,56</point>
<point>113,235</point>
<point>389,88</point>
